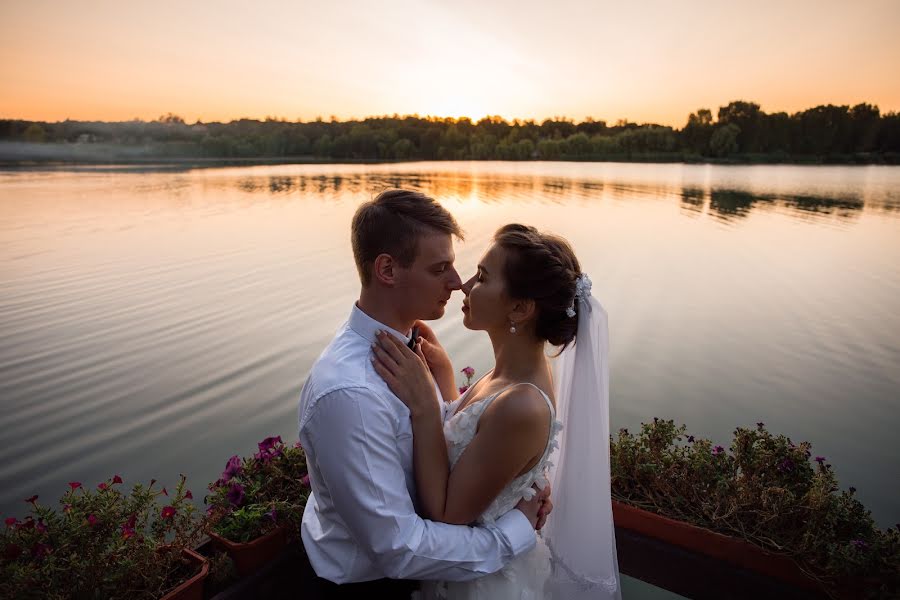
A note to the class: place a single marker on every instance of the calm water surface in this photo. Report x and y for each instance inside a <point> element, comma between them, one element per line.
<point>157,322</point>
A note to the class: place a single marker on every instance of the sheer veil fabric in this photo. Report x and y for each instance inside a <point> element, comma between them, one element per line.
<point>580,533</point>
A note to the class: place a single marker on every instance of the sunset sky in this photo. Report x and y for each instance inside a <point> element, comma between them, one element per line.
<point>645,60</point>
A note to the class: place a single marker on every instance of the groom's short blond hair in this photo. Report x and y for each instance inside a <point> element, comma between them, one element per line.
<point>392,223</point>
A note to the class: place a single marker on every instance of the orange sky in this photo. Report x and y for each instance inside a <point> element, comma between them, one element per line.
<point>646,60</point>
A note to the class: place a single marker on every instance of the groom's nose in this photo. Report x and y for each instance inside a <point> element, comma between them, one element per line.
<point>454,282</point>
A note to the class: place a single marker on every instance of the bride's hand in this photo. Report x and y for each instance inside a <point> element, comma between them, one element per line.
<point>437,358</point>
<point>406,373</point>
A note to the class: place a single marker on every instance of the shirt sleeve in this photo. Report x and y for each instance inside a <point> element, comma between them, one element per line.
<point>356,452</point>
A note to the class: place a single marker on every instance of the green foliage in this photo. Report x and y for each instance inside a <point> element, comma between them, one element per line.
<point>104,543</point>
<point>742,132</point>
<point>256,494</point>
<point>766,490</point>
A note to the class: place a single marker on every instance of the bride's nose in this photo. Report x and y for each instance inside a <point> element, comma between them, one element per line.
<point>467,286</point>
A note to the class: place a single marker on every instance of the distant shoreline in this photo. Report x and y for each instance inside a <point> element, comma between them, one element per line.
<point>25,160</point>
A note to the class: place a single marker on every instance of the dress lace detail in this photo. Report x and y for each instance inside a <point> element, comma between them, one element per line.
<point>524,577</point>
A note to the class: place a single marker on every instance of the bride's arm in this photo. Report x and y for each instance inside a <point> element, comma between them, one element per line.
<point>512,433</point>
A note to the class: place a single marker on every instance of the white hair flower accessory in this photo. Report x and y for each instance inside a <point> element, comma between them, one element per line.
<point>582,291</point>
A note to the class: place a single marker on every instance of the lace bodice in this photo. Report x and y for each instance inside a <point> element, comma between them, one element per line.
<point>459,430</point>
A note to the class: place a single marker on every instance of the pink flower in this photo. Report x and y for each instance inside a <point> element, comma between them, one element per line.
<point>468,371</point>
<point>165,492</point>
<point>167,512</point>
<point>92,520</point>
<point>117,479</point>
<point>269,443</point>
<point>32,500</point>
<point>40,551</point>
<point>41,527</point>
<point>102,486</point>
<point>235,495</point>
<point>718,450</point>
<point>305,480</point>
<point>12,552</point>
<point>74,485</point>
<point>463,389</point>
<point>232,468</point>
<point>189,495</point>
<point>127,532</point>
<point>297,444</point>
<point>10,521</point>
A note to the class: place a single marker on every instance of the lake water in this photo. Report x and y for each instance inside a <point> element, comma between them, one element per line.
<point>155,322</point>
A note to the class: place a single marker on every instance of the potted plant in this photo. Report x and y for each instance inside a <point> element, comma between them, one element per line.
<point>764,504</point>
<point>257,504</point>
<point>105,543</point>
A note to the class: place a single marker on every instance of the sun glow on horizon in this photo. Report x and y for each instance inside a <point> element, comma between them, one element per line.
<point>300,61</point>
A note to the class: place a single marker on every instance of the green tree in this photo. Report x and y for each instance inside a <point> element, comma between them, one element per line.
<point>724,140</point>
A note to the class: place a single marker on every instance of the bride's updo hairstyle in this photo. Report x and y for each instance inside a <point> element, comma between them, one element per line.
<point>543,268</point>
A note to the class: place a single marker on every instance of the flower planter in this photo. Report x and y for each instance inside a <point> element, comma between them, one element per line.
<point>192,589</point>
<point>709,543</point>
<point>249,556</point>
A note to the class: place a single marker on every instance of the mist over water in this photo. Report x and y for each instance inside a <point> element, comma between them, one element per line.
<point>155,322</point>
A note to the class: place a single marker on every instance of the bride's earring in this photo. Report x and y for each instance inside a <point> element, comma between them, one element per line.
<point>512,327</point>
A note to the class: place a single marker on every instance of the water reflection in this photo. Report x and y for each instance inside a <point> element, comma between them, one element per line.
<point>722,203</point>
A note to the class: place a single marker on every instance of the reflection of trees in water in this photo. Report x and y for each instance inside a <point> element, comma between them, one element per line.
<point>729,204</point>
<point>692,200</point>
<point>724,204</point>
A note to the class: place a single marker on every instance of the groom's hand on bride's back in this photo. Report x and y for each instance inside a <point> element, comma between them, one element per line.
<point>535,509</point>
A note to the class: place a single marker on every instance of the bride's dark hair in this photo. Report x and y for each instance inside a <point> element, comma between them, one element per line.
<point>542,267</point>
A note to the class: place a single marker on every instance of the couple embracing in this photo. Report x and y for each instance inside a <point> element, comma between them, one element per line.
<point>420,493</point>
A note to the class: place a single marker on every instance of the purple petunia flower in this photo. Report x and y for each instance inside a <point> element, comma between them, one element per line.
<point>40,550</point>
<point>92,520</point>
<point>168,512</point>
<point>74,485</point>
<point>786,465</point>
<point>462,389</point>
<point>102,486</point>
<point>268,444</point>
<point>32,500</point>
<point>235,495</point>
<point>10,521</point>
<point>232,468</point>
<point>116,479</point>
<point>718,450</point>
<point>468,371</point>
<point>305,480</point>
<point>820,459</point>
<point>40,526</point>
<point>189,495</point>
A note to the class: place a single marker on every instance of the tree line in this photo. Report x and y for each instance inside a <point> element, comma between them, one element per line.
<point>739,131</point>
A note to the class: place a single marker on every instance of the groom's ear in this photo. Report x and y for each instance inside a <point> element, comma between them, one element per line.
<point>385,269</point>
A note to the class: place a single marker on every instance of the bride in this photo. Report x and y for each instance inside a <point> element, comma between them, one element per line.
<point>514,430</point>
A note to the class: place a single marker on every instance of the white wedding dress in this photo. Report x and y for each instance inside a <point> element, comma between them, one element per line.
<point>524,577</point>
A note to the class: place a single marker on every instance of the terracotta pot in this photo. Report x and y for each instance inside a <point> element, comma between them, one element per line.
<point>192,589</point>
<point>249,556</point>
<point>709,543</point>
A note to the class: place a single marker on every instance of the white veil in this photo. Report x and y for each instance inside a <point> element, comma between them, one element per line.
<point>580,532</point>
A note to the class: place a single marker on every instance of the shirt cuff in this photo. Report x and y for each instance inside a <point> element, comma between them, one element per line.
<point>517,529</point>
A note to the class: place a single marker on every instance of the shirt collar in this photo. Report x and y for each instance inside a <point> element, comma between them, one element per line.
<point>366,326</point>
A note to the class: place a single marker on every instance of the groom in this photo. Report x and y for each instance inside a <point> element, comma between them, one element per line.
<point>360,528</point>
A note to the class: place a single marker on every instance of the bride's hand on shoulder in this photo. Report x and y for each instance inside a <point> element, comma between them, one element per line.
<point>437,358</point>
<point>406,373</point>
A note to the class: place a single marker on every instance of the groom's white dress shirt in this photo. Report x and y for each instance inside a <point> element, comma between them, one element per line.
<point>360,523</point>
